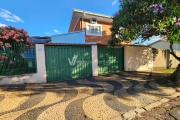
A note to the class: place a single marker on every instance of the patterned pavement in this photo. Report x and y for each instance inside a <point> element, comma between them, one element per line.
<point>97,98</point>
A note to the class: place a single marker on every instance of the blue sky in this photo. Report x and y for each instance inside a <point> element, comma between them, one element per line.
<point>49,17</point>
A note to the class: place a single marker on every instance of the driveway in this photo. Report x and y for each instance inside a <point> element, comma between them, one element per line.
<point>99,98</point>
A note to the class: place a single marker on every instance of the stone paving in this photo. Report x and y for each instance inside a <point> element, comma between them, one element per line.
<point>98,98</point>
<point>167,111</point>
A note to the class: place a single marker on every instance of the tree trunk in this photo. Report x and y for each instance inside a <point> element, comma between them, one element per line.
<point>172,51</point>
<point>175,77</point>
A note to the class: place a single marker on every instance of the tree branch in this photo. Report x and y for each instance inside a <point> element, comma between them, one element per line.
<point>172,51</point>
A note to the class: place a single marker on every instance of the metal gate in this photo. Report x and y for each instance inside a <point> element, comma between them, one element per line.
<point>66,62</point>
<point>110,60</point>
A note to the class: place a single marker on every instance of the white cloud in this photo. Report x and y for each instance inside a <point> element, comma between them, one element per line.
<point>2,25</point>
<point>8,16</point>
<point>47,33</point>
<point>114,2</point>
<point>57,31</point>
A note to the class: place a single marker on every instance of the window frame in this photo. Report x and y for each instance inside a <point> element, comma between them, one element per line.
<point>88,31</point>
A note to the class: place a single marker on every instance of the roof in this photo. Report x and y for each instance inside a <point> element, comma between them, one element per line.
<point>92,13</point>
<point>40,39</point>
<point>77,37</point>
<point>156,42</point>
<point>163,44</point>
<point>77,14</point>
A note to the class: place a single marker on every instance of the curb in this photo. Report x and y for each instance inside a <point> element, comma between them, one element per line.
<point>136,112</point>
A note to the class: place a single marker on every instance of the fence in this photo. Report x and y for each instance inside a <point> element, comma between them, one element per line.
<point>17,59</point>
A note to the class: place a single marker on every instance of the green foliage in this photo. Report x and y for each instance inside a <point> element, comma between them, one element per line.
<point>146,18</point>
<point>14,49</point>
<point>12,38</point>
<point>10,35</point>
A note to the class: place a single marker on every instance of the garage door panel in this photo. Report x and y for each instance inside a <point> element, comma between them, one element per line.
<point>66,62</point>
<point>110,60</point>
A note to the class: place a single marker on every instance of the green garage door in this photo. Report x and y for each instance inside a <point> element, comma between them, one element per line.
<point>110,60</point>
<point>66,62</point>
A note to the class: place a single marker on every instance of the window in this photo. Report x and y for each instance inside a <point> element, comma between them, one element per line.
<point>93,29</point>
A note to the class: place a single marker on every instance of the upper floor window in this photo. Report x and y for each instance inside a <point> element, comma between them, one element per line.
<point>93,29</point>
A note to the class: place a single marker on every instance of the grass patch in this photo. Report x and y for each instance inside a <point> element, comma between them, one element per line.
<point>170,70</point>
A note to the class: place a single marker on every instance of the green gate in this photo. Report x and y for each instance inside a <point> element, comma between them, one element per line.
<point>66,62</point>
<point>110,60</point>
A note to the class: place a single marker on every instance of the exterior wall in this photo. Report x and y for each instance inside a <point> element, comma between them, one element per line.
<point>39,77</point>
<point>138,58</point>
<point>173,63</point>
<point>159,59</point>
<point>79,25</point>
<point>165,60</point>
<point>106,33</point>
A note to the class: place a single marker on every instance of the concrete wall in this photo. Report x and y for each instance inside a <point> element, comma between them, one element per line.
<point>39,77</point>
<point>165,60</point>
<point>159,59</point>
<point>138,58</point>
<point>172,62</point>
<point>94,60</point>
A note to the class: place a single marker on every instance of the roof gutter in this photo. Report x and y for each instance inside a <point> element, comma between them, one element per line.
<point>91,13</point>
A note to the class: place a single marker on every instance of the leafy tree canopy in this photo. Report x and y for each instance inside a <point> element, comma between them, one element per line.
<point>10,35</point>
<point>13,38</point>
<point>146,18</point>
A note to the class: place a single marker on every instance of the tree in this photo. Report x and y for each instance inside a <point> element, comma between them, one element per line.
<point>147,18</point>
<point>11,37</point>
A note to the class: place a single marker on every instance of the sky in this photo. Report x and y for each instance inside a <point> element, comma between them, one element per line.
<point>49,17</point>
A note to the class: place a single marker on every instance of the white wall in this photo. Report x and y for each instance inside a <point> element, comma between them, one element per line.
<point>163,59</point>
<point>94,53</point>
<point>165,45</point>
<point>39,77</point>
<point>138,58</point>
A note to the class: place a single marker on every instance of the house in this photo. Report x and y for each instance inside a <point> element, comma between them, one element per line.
<point>96,26</point>
<point>93,28</point>
<point>86,28</point>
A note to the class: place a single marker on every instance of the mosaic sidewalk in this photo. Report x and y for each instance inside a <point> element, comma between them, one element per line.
<point>99,98</point>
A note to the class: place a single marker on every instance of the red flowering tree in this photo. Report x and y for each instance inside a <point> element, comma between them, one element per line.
<point>11,37</point>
